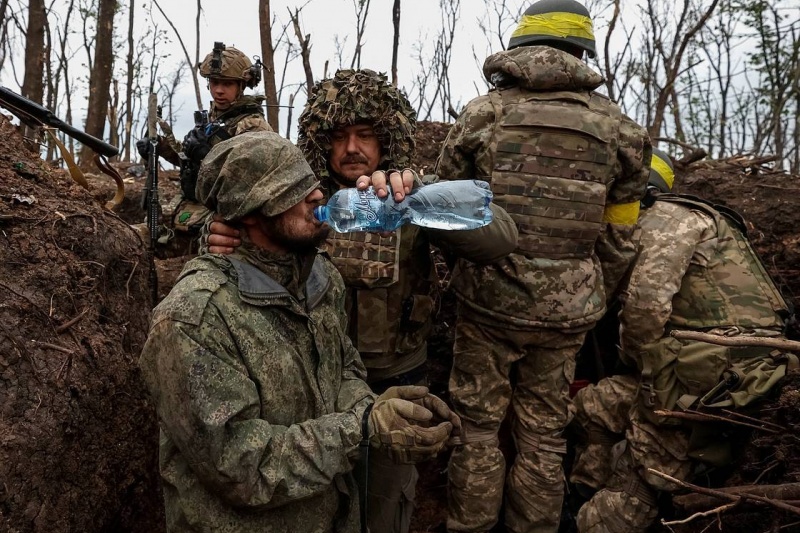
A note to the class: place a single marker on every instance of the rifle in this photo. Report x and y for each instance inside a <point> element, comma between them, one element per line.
<point>37,116</point>
<point>153,205</point>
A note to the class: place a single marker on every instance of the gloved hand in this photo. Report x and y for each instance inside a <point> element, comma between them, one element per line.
<point>143,147</point>
<point>196,145</point>
<point>411,424</point>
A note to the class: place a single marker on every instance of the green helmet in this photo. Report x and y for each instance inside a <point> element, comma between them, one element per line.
<point>255,171</point>
<point>662,173</point>
<point>555,22</point>
<point>228,63</point>
<point>357,97</point>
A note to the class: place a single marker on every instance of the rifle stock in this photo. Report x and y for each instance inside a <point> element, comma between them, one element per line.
<point>28,111</point>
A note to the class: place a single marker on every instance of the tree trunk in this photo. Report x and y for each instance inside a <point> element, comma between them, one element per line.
<point>100,76</point>
<point>268,55</point>
<point>396,39</point>
<point>129,84</point>
<point>32,83</point>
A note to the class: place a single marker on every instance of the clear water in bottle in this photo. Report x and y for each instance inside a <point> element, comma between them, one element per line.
<point>451,205</point>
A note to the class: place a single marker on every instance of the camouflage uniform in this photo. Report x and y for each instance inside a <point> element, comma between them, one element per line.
<point>567,165</point>
<point>696,271</point>
<point>260,394</point>
<point>246,114</point>
<point>391,281</point>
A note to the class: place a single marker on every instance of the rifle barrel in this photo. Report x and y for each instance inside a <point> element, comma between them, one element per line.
<point>19,104</point>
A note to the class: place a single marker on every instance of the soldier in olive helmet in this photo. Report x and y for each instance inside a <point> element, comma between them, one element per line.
<point>229,72</point>
<point>355,130</point>
<point>571,169</point>
<point>260,395</point>
<point>697,271</point>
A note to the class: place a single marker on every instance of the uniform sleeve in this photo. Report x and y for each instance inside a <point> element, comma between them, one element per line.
<point>616,246</point>
<point>254,122</point>
<point>457,160</point>
<point>210,407</point>
<point>668,246</point>
<point>483,245</point>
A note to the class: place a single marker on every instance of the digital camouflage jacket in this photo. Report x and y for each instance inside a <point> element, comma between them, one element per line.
<point>260,397</point>
<point>697,271</point>
<point>569,168</point>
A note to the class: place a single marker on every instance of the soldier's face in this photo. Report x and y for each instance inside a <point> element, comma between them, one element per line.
<point>224,92</point>
<point>297,230</point>
<point>355,151</point>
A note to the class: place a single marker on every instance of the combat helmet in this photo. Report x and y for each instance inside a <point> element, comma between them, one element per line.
<point>229,63</point>
<point>555,22</point>
<point>662,173</point>
<point>357,97</point>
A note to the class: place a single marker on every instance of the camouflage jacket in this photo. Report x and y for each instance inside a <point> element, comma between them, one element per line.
<point>246,114</point>
<point>260,397</point>
<point>697,271</point>
<point>551,188</point>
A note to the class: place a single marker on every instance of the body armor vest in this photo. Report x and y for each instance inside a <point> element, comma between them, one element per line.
<point>734,288</point>
<point>390,296</point>
<point>554,162</point>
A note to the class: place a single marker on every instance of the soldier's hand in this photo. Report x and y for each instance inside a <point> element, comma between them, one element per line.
<point>222,238</point>
<point>195,144</point>
<point>406,428</point>
<point>143,146</point>
<point>401,183</point>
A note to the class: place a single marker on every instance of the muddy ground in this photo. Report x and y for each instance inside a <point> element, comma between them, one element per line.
<point>79,440</point>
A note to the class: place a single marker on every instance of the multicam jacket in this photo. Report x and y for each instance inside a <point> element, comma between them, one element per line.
<point>697,271</point>
<point>246,114</point>
<point>260,397</point>
<point>570,169</point>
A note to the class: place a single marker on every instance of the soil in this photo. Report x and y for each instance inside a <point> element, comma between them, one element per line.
<point>79,440</point>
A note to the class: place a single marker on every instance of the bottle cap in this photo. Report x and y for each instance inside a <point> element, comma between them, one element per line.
<point>321,213</point>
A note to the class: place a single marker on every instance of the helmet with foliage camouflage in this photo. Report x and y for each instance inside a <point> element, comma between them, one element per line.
<point>357,97</point>
<point>255,171</point>
<point>555,22</point>
<point>228,63</point>
<point>662,173</point>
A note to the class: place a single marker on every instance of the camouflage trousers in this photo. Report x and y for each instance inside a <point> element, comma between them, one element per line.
<point>391,491</point>
<point>620,444</point>
<point>530,370</point>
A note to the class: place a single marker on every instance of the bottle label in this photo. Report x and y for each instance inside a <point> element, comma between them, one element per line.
<point>364,205</point>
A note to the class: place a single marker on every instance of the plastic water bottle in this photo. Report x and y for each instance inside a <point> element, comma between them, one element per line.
<point>451,205</point>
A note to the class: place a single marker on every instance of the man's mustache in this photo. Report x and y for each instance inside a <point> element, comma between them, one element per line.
<point>353,159</point>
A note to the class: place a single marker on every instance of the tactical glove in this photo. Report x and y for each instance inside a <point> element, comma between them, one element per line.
<point>411,424</point>
<point>143,147</point>
<point>196,145</point>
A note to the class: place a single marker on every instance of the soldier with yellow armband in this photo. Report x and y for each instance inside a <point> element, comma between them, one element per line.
<point>571,170</point>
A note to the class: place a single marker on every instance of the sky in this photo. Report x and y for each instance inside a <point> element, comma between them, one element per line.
<point>328,20</point>
<point>235,22</point>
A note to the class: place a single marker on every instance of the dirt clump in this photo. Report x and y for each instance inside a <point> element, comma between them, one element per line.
<point>78,450</point>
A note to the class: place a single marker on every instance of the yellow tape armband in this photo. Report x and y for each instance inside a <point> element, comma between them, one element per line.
<point>661,166</point>
<point>622,214</point>
<point>557,24</point>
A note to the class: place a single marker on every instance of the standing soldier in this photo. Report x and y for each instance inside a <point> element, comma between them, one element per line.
<point>570,169</point>
<point>232,112</point>
<point>696,271</point>
<point>356,128</point>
